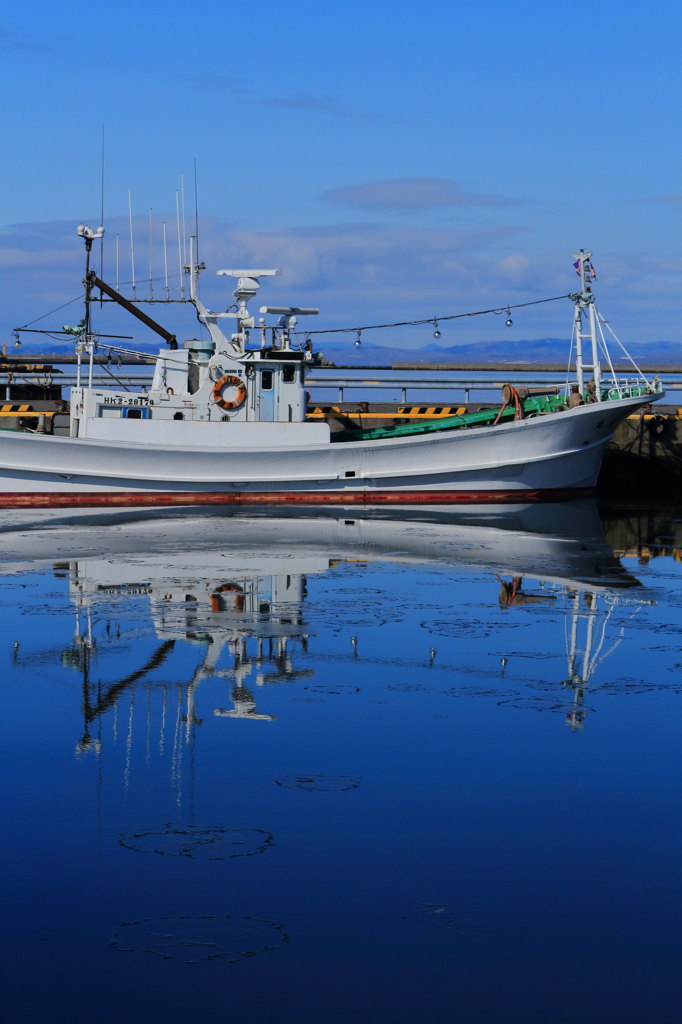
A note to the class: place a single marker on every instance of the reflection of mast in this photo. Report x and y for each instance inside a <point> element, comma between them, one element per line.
<point>584,659</point>
<point>245,704</point>
<point>578,678</point>
<point>95,705</point>
<point>580,671</point>
<point>79,656</point>
<point>254,611</point>
<point>242,667</point>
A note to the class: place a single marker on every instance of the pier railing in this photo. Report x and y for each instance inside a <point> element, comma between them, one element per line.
<point>402,381</point>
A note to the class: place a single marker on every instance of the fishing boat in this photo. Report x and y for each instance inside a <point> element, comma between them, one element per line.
<point>224,422</point>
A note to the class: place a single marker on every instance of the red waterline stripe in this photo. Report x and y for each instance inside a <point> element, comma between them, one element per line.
<point>125,498</point>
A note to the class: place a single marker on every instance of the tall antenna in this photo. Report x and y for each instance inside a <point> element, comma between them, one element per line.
<point>196,211</point>
<point>177,218</point>
<point>184,230</point>
<point>151,285</point>
<point>101,216</point>
<point>165,261</point>
<point>132,244</point>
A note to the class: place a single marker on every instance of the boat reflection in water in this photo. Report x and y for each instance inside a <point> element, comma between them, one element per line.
<point>587,612</point>
<point>234,585</point>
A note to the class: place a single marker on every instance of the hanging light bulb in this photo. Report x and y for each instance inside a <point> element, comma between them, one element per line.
<point>358,340</point>
<point>436,331</point>
<point>509,322</point>
<point>17,343</point>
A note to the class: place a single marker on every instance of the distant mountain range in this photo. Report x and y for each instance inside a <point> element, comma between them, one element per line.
<point>540,350</point>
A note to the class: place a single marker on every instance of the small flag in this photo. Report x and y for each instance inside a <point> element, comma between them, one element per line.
<point>593,272</point>
<point>577,266</point>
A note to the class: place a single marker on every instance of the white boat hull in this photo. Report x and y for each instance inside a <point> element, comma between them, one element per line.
<point>539,458</point>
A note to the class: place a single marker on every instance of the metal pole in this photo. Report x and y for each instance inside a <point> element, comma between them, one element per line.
<point>132,246</point>
<point>184,231</point>
<point>165,261</point>
<point>88,284</point>
<point>596,364</point>
<point>151,280</point>
<point>577,331</point>
<point>177,219</point>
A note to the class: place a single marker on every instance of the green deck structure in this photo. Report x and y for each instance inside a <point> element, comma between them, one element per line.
<point>538,405</point>
<point>531,407</point>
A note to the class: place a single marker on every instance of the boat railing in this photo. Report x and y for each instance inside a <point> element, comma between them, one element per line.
<point>473,388</point>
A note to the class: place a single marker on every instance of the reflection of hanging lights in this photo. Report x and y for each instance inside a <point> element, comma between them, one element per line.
<point>358,340</point>
<point>436,330</point>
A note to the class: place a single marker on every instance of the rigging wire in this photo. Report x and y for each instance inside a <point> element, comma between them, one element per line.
<point>111,374</point>
<point>79,298</point>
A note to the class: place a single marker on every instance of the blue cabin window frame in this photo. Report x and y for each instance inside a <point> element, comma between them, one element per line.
<point>135,412</point>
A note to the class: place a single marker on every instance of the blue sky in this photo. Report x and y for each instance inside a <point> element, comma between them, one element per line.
<point>395,161</point>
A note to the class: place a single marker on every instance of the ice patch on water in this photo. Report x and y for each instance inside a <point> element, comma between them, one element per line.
<point>199,842</point>
<point>320,783</point>
<point>194,940</point>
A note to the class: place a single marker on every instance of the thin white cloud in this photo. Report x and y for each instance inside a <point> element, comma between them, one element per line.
<point>24,42</point>
<point>212,81</point>
<point>410,195</point>
<point>354,273</point>
<point>316,105</point>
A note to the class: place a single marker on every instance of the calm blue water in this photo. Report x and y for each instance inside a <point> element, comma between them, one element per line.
<point>342,768</point>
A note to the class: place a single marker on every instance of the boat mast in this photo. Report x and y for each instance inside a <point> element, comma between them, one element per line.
<point>88,236</point>
<point>84,330</point>
<point>584,300</point>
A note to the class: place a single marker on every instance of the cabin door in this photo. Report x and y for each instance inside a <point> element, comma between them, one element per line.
<point>266,398</point>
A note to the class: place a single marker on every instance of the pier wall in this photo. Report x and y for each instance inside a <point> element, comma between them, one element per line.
<point>646,454</point>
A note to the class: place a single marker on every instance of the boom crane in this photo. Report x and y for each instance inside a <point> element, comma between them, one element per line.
<point>93,281</point>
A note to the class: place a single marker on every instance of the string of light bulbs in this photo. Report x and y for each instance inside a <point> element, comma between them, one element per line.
<point>436,320</point>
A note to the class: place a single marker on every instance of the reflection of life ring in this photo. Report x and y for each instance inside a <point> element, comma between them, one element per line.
<point>229,381</point>
<point>217,600</point>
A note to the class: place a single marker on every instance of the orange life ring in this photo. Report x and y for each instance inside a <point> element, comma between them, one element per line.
<point>231,381</point>
<point>218,602</point>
